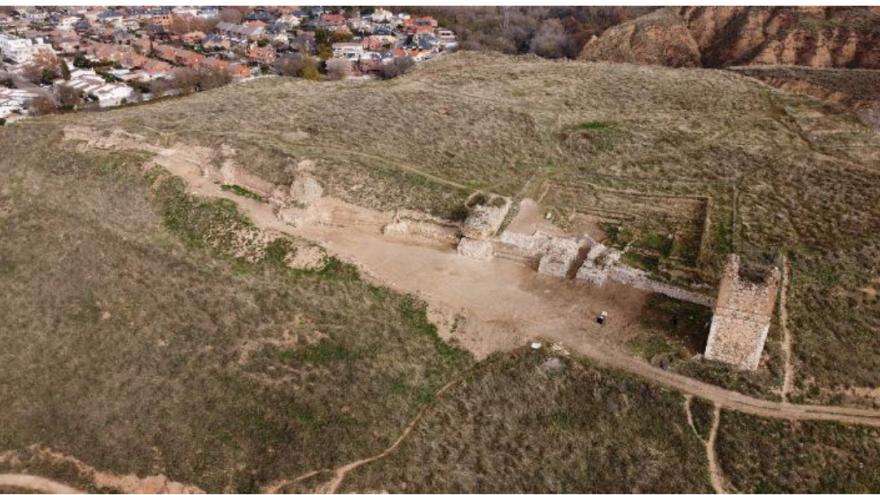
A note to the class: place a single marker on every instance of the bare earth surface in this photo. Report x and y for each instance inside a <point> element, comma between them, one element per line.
<point>505,304</point>
<point>34,483</point>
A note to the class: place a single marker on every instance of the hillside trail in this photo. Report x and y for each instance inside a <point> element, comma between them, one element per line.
<point>714,468</point>
<point>34,483</point>
<point>505,304</point>
<point>788,378</point>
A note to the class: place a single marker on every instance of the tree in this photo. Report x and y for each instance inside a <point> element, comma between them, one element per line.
<point>184,79</point>
<point>297,65</point>
<point>325,52</point>
<point>342,36</point>
<point>230,14</point>
<point>43,105</point>
<point>338,69</point>
<point>80,61</point>
<point>551,40</point>
<point>158,87</point>
<point>65,70</point>
<point>290,64</point>
<point>396,68</point>
<point>210,77</point>
<point>43,68</point>
<point>310,72</point>
<point>179,25</point>
<point>69,98</point>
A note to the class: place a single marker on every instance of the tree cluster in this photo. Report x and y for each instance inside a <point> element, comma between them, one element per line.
<point>186,81</point>
<point>552,32</point>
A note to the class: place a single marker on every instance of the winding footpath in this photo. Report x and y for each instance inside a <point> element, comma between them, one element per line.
<point>34,483</point>
<point>497,296</point>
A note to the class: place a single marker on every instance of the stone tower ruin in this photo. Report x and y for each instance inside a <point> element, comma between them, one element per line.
<point>742,316</point>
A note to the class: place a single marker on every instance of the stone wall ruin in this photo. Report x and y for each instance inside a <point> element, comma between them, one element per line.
<point>742,315</point>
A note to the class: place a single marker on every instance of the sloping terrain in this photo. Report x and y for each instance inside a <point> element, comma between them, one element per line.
<point>144,319</point>
<point>134,347</point>
<point>784,173</point>
<point>658,38</point>
<point>567,427</point>
<point>843,37</point>
<point>761,455</point>
<point>855,89</point>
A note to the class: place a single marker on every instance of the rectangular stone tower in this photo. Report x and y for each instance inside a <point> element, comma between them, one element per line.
<point>742,316</point>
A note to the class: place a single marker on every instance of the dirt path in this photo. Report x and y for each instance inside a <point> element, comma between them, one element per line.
<point>714,469</point>
<point>786,334</point>
<point>35,483</point>
<point>690,416</point>
<point>505,304</point>
<point>339,473</point>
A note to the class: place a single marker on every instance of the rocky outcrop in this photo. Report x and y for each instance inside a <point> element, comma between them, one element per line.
<point>659,38</point>
<point>811,36</point>
<point>845,37</point>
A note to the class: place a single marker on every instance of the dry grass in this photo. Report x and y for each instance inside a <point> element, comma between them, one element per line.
<point>539,422</point>
<point>770,456</point>
<point>803,174</point>
<point>128,328</point>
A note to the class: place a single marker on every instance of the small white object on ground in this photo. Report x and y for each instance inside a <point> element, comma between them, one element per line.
<point>536,345</point>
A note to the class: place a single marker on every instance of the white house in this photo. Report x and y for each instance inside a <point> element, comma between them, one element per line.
<point>20,50</point>
<point>381,15</point>
<point>13,101</point>
<point>67,22</point>
<point>350,50</point>
<point>185,11</point>
<point>90,83</point>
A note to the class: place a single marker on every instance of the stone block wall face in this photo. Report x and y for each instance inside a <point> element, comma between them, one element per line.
<point>483,221</point>
<point>475,248</point>
<point>563,256</point>
<point>742,316</point>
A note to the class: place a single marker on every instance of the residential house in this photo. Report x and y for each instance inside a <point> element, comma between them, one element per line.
<point>208,12</point>
<point>348,50</point>
<point>93,85</point>
<point>263,55</point>
<point>238,32</point>
<point>21,50</point>
<point>331,22</point>
<point>67,22</point>
<point>377,43</point>
<point>381,15</point>
<point>15,101</point>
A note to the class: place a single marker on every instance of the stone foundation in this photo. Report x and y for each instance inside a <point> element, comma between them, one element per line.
<point>741,321</point>
<point>475,248</point>
<point>484,219</point>
<point>563,256</point>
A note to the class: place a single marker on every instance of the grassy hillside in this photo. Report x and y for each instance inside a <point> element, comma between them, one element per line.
<point>539,422</point>
<point>135,346</point>
<point>769,456</point>
<point>784,173</point>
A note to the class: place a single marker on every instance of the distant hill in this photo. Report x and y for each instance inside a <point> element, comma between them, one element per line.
<point>658,38</point>
<point>843,37</point>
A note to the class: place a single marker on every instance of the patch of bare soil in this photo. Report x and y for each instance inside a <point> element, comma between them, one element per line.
<point>34,483</point>
<point>127,483</point>
<point>504,303</point>
<point>714,467</point>
<point>788,379</point>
